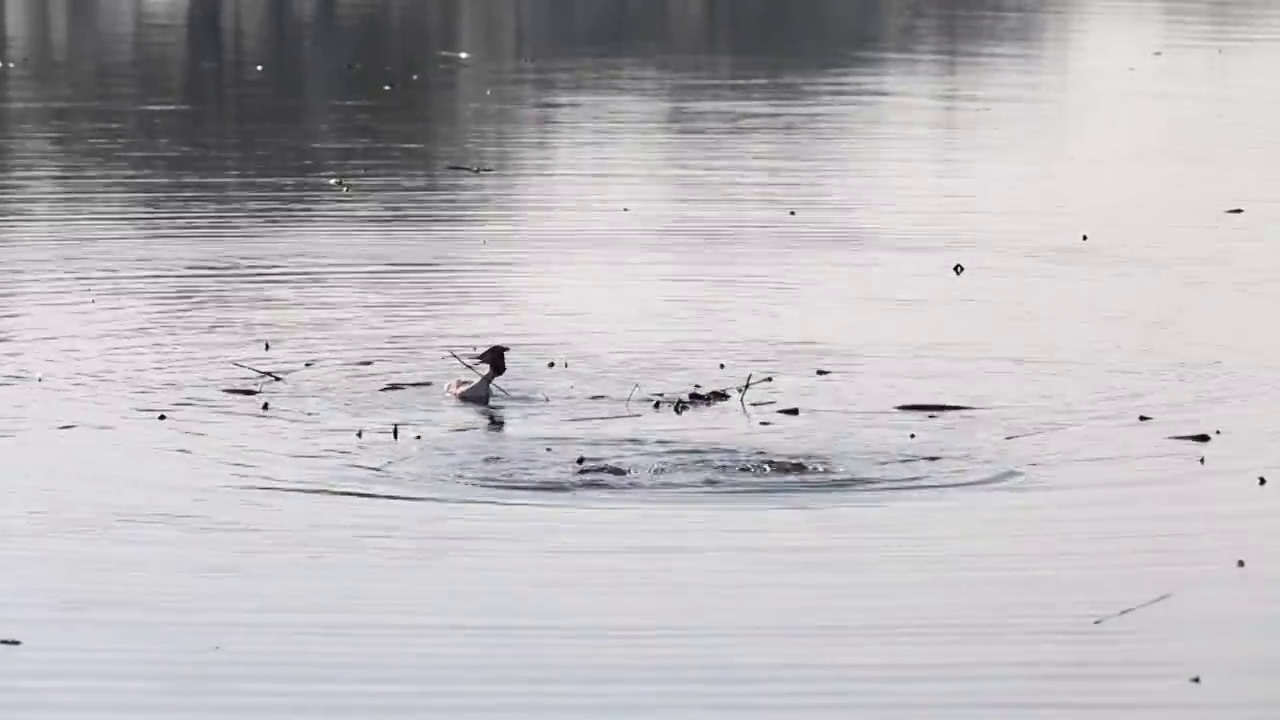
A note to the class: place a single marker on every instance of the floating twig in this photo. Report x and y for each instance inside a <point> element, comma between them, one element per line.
<point>1200,437</point>
<point>634,388</point>
<point>603,417</point>
<point>932,407</point>
<point>241,391</point>
<point>405,385</point>
<point>1128,610</point>
<point>742,395</point>
<point>263,373</point>
<point>1039,432</point>
<point>470,367</point>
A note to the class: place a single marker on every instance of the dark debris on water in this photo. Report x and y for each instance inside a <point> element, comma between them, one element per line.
<point>391,387</point>
<point>932,407</point>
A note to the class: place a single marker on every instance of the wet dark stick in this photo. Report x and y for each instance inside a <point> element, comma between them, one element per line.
<point>472,369</point>
<point>603,417</point>
<point>1128,610</point>
<point>742,396</point>
<point>634,388</point>
<point>263,373</point>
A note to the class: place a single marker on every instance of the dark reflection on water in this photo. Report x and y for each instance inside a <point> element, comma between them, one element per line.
<point>284,91</point>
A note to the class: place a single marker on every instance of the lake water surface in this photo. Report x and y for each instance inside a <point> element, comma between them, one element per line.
<point>683,193</point>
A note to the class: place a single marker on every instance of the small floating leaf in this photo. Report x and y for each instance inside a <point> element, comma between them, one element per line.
<point>1200,437</point>
<point>788,411</point>
<point>240,391</point>
<point>1143,418</point>
<point>822,372</point>
<point>1235,211</point>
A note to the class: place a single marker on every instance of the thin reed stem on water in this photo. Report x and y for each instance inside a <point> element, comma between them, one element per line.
<point>263,373</point>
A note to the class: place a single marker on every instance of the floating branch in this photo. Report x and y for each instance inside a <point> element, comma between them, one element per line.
<point>932,407</point>
<point>1200,438</point>
<point>241,391</point>
<point>263,373</point>
<point>710,396</point>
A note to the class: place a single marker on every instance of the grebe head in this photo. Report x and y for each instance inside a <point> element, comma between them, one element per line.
<point>496,358</point>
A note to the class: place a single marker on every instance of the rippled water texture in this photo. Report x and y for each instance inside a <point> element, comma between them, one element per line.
<point>1018,208</point>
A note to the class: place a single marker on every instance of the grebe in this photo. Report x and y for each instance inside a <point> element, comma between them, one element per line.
<point>478,392</point>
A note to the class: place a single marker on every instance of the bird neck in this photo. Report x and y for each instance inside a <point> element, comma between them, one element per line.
<point>496,370</point>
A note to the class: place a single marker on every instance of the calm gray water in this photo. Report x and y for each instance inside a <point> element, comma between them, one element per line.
<point>770,187</point>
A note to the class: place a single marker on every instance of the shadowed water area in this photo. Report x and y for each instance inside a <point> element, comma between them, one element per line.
<point>1019,209</point>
